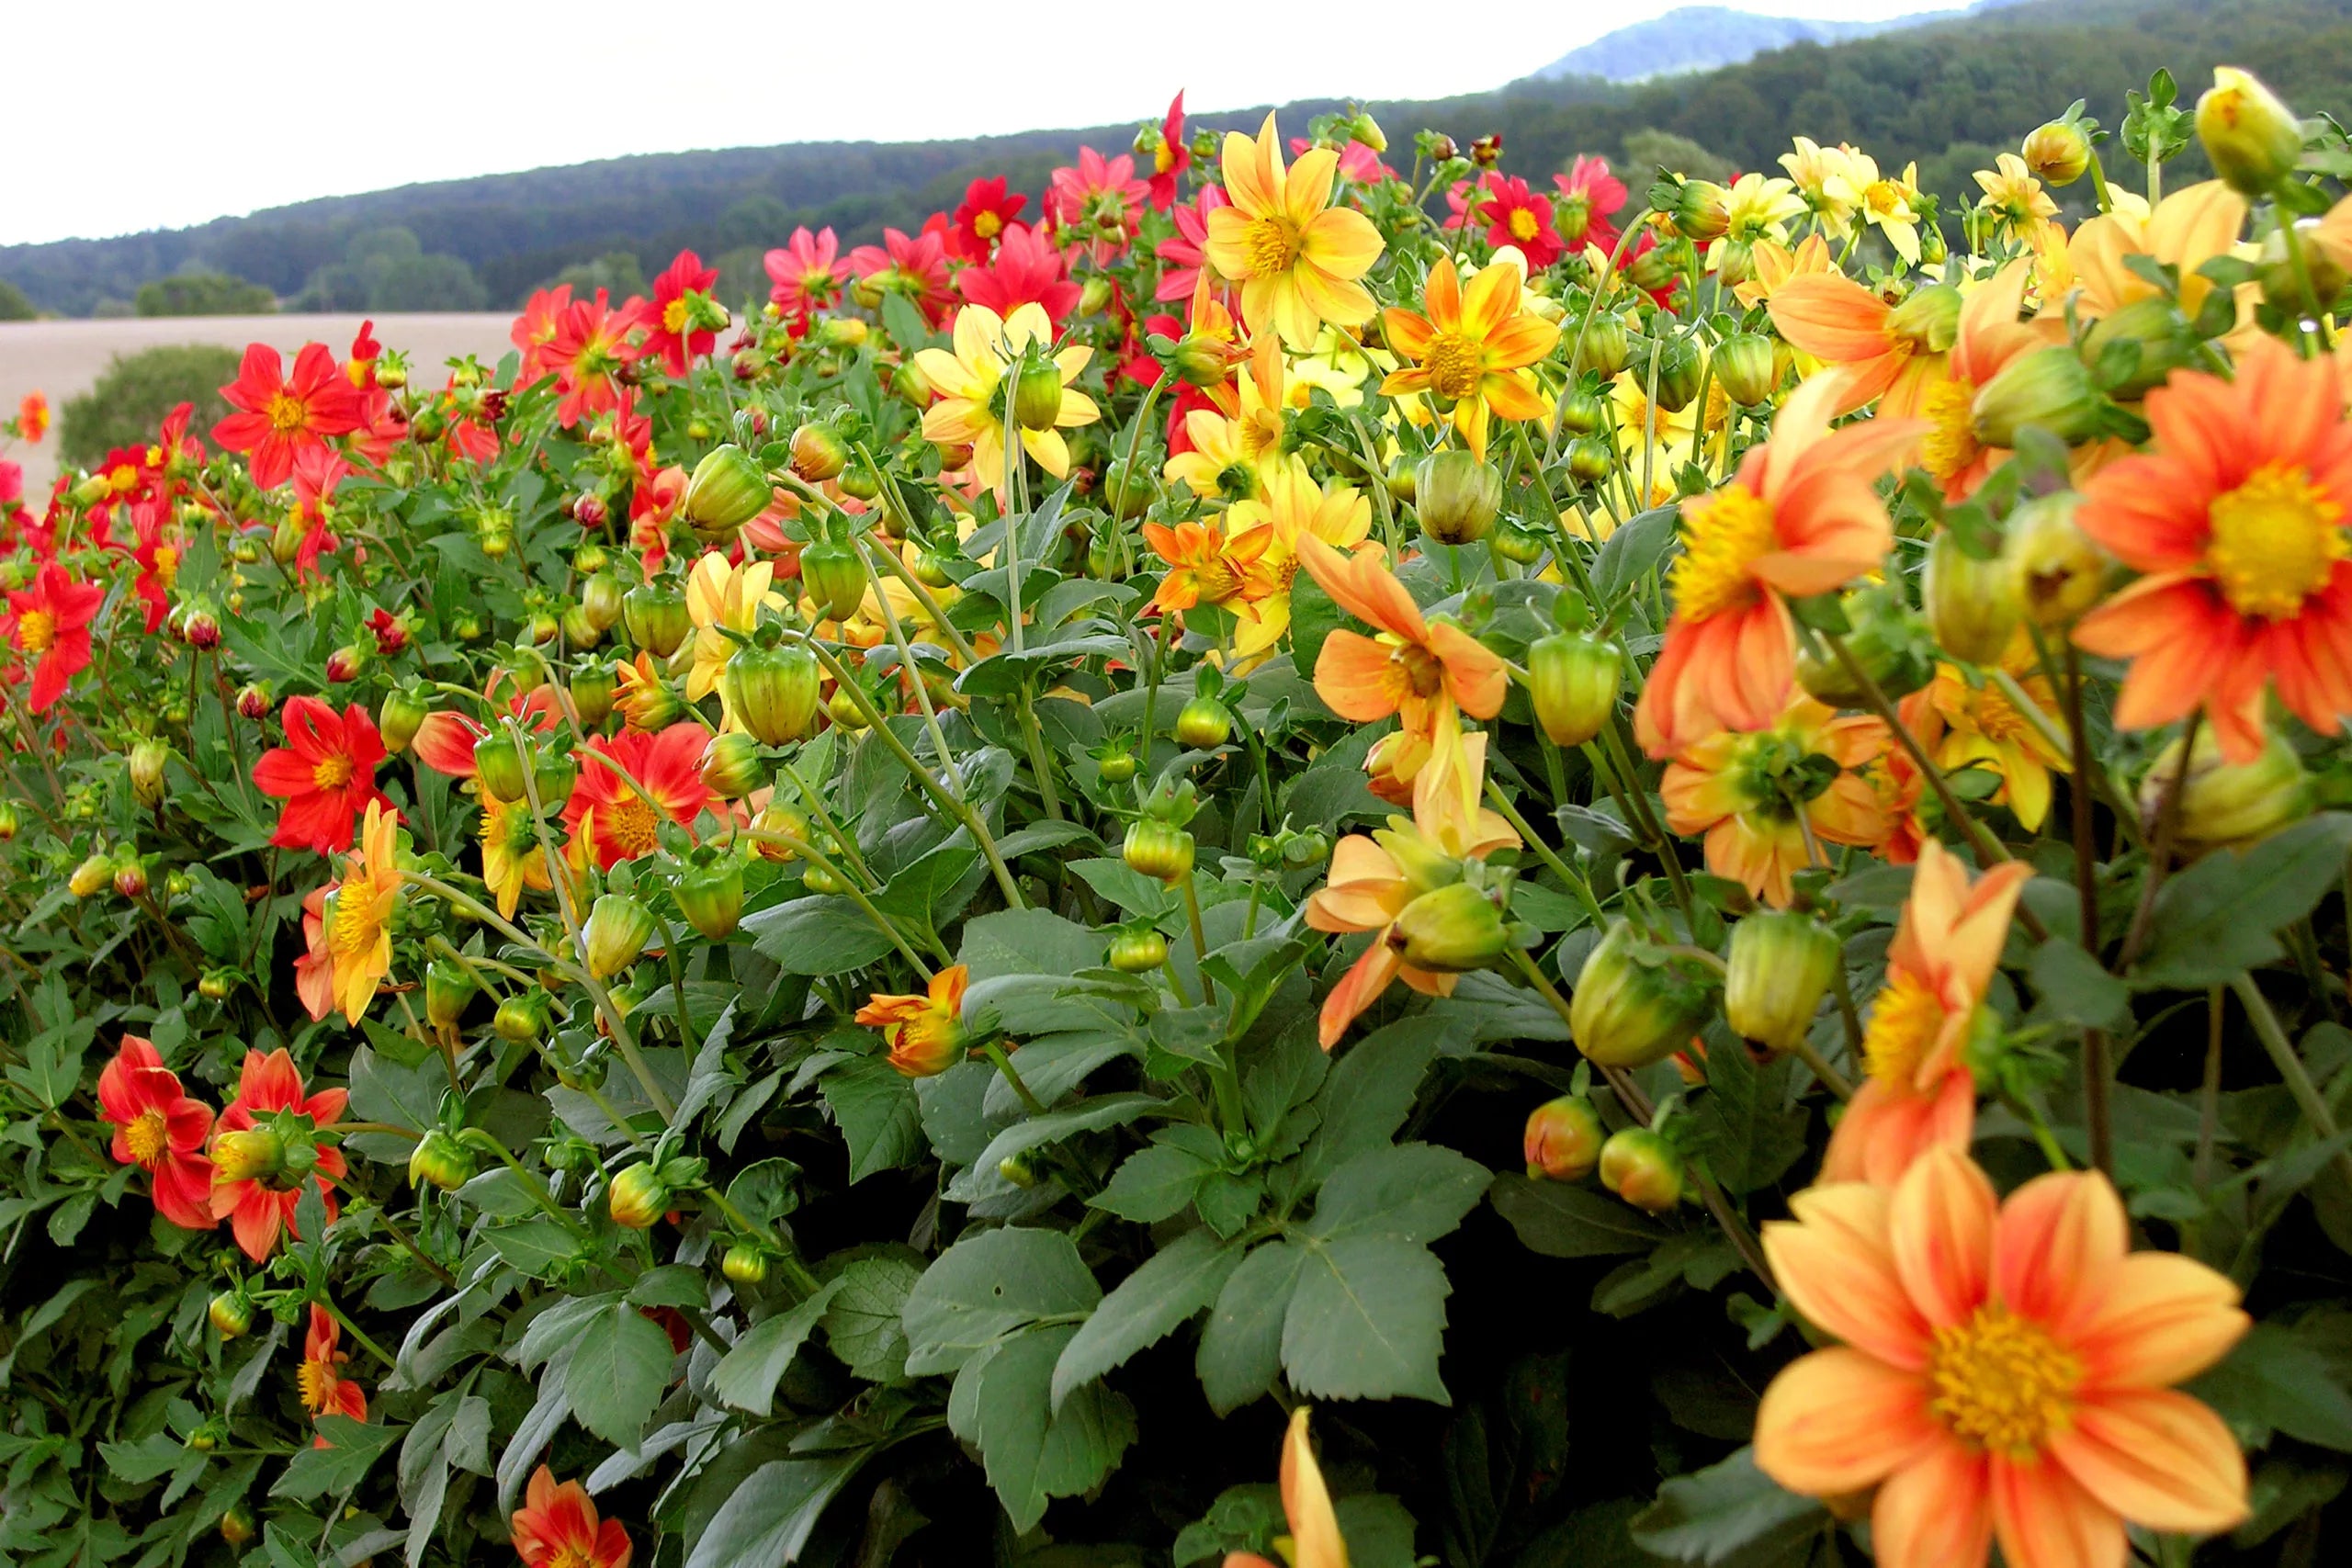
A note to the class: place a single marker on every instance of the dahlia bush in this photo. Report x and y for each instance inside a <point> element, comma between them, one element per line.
<point>1306,850</point>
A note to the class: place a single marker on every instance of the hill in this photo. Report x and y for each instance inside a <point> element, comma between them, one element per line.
<point>1701,38</point>
<point>1948,93</point>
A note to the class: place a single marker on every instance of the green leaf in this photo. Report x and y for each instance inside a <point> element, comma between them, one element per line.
<point>1629,553</point>
<point>2218,916</point>
<point>1026,941</point>
<point>355,1447</point>
<point>536,1247</point>
<point>1032,1451</point>
<point>2277,1381</point>
<point>824,935</point>
<point>1746,1130</point>
<point>866,1325</point>
<point>987,1285</point>
<point>1368,1321</point>
<point>1368,1094</point>
<point>1147,1306</point>
<point>1563,1221</point>
<point>875,1107</point>
<point>1412,1191</point>
<point>1087,1116</point>
<point>1152,1184</point>
<point>2078,988</point>
<point>1728,1515</point>
<point>145,1460</point>
<point>766,1189</point>
<point>767,1521</point>
<point>747,1375</point>
<point>1241,1343</point>
<point>620,1366</point>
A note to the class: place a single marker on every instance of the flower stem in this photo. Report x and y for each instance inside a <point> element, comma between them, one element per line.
<point>2289,1064</point>
<point>2097,1117</point>
<point>1543,851</point>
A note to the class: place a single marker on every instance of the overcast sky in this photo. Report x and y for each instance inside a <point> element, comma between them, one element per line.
<point>139,116</point>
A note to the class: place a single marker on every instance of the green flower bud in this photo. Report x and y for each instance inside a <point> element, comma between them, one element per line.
<point>655,613</point>
<point>774,691</point>
<point>818,453</point>
<point>147,758</point>
<point>2057,152</point>
<point>441,1160</point>
<point>449,986</point>
<point>728,490</point>
<point>2050,387</point>
<point>1783,964</point>
<point>1573,682</point>
<point>1679,369</point>
<point>1929,321</point>
<point>1702,210</point>
<point>1133,952</point>
<point>2161,339</point>
<point>1745,367</point>
<point>637,1197</point>
<point>256,1153</point>
<point>1563,1139</point>
<point>237,1523</point>
<point>592,692</point>
<point>2225,803</point>
<point>1631,1008</point>
<point>746,1263</point>
<point>730,764</point>
<point>1605,347</point>
<point>91,877</point>
<point>1204,723</point>
<point>600,600</point>
<point>498,767</point>
<point>617,931</point>
<point>402,715</point>
<point>1036,394</point>
<point>711,897</point>
<point>517,1020</point>
<point>2060,572</point>
<point>1973,607</point>
<point>231,1315</point>
<point>1451,931</point>
<point>1643,1169</point>
<point>1581,410</point>
<point>835,579</point>
<point>2252,139</point>
<point>1158,850</point>
<point>1456,496</point>
<point>1591,459</point>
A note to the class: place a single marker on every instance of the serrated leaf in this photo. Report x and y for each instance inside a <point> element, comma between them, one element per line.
<point>747,1375</point>
<point>875,1107</point>
<point>1034,1453</point>
<point>865,1322</point>
<point>821,935</point>
<point>1241,1343</point>
<point>767,1521</point>
<point>1367,1321</point>
<point>2220,914</point>
<point>352,1449</point>
<point>620,1364</point>
<point>1559,1220</point>
<point>987,1285</point>
<point>1368,1094</point>
<point>1748,1134</point>
<point>1729,1513</point>
<point>1152,1184</point>
<point>1412,1191</point>
<point>1178,1280</point>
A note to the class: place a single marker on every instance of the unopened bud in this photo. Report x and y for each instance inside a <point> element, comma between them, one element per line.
<point>1037,394</point>
<point>1972,605</point>
<point>1563,1139</point>
<point>1783,964</point>
<point>773,692</point>
<point>1631,1007</point>
<point>1604,348</point>
<point>1204,723</point>
<point>834,577</point>
<point>1133,952</point>
<point>1702,210</point>
<point>656,616</point>
<point>2252,139</point>
<point>253,701</point>
<point>255,1155</point>
<point>1929,321</point>
<point>711,897</point>
<point>2057,152</point>
<point>448,986</point>
<point>1451,931</point>
<point>746,1263</point>
<point>147,760</point>
<point>818,453</point>
<point>1573,682</point>
<point>499,767</point>
<point>1158,850</point>
<point>728,489</point>
<point>2059,571</point>
<point>637,1197</point>
<point>2225,803</point>
<point>1643,1169</point>
<point>442,1160</point>
<point>2050,387</point>
<point>1456,495</point>
<point>231,1315</point>
<point>618,929</point>
<point>92,876</point>
<point>1746,369</point>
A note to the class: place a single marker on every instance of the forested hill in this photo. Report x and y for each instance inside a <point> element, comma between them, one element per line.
<point>1948,94</point>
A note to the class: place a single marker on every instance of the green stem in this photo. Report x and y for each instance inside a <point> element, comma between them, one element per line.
<point>1200,939</point>
<point>2289,1064</point>
<point>1543,851</point>
<point>1003,1060</point>
<point>352,1329</point>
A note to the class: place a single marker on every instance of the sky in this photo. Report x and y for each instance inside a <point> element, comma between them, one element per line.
<point>179,114</point>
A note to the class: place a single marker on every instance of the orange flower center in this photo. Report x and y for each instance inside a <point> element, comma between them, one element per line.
<point>673,315</point>
<point>36,629</point>
<point>1724,534</point>
<point>332,772</point>
<point>2002,1384</point>
<point>1454,364</point>
<point>629,826</point>
<point>2276,541</point>
<point>1273,244</point>
<point>571,1555</point>
<point>149,1138</point>
<point>987,225</point>
<point>1416,670</point>
<point>1524,226</point>
<point>1951,442</point>
<point>317,1381</point>
<point>1903,1031</point>
<point>287,413</point>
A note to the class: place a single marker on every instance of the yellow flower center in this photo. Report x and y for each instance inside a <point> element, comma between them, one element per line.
<point>1883,198</point>
<point>122,477</point>
<point>1724,534</point>
<point>1522,225</point>
<point>1903,1029</point>
<point>167,565</point>
<point>987,225</point>
<point>629,826</point>
<point>1952,440</point>
<point>149,1137</point>
<point>1416,670</point>
<point>673,315</point>
<point>354,928</point>
<point>287,413</point>
<point>1455,365</point>
<point>2002,1384</point>
<point>570,1555</point>
<point>332,772</point>
<point>36,629</point>
<point>2276,541</point>
<point>1273,247</point>
<point>1718,406</point>
<point>317,1381</point>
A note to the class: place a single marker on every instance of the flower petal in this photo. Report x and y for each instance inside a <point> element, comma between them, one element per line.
<point>2159,1459</point>
<point>1839,1420</point>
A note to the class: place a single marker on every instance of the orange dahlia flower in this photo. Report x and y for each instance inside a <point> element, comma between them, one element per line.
<point>1921,1094</point>
<point>325,1391</point>
<point>255,1207</point>
<point>1472,350</point>
<point>1755,795</point>
<point>1296,257</point>
<point>1990,335</point>
<point>2237,519</point>
<point>556,1527</point>
<point>609,819</point>
<point>1801,517</point>
<point>926,1029</point>
<point>1887,352</point>
<point>159,1130</point>
<point>2005,1372</point>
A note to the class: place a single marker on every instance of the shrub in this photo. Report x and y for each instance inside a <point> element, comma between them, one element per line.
<point>203,294</point>
<point>136,390</point>
<point>13,305</point>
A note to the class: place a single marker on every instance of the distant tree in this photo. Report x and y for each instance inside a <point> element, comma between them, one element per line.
<point>761,220</point>
<point>617,271</point>
<point>109,309</point>
<point>426,283</point>
<point>743,278</point>
<point>1648,150</point>
<point>129,401</point>
<point>388,269</point>
<point>13,305</point>
<point>203,294</point>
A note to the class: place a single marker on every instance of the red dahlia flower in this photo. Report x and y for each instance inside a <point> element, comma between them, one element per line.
<point>588,352</point>
<point>50,624</point>
<point>282,415</point>
<point>670,331</point>
<point>259,1207</point>
<point>1590,197</point>
<point>325,772</point>
<point>610,819</point>
<point>808,273</point>
<point>325,1391</point>
<point>159,1130</point>
<point>987,211</point>
<point>1028,268</point>
<point>535,328</point>
<point>916,267</point>
<point>556,1527</point>
<point>1170,157</point>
